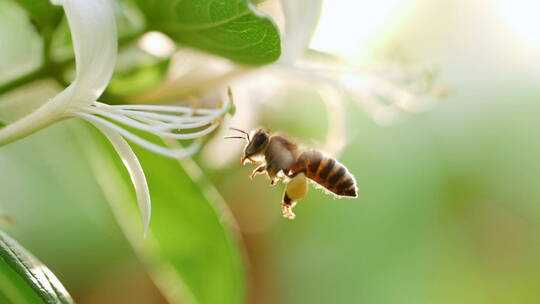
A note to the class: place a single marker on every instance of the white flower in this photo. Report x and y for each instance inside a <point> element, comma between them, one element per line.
<point>94,36</point>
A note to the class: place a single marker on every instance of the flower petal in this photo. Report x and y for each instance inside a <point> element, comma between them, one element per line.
<point>135,170</point>
<point>301,18</point>
<point>93,31</point>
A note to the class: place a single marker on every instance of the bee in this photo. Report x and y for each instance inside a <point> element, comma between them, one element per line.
<point>283,159</point>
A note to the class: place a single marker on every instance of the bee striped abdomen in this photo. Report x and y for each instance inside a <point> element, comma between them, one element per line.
<point>327,172</point>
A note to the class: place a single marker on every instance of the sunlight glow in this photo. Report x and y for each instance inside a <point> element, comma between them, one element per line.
<point>352,28</point>
<point>522,17</point>
<point>157,44</point>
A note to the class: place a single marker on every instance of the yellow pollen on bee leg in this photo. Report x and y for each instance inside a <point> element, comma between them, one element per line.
<point>297,187</point>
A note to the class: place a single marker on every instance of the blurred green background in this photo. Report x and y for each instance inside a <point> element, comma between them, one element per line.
<point>449,204</point>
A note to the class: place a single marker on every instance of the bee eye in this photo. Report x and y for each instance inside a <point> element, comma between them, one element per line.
<point>260,139</point>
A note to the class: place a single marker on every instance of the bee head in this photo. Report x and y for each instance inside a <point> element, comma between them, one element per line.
<point>257,141</point>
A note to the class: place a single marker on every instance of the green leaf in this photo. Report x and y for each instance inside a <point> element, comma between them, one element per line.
<point>190,250</point>
<point>230,28</point>
<point>42,12</point>
<point>24,279</point>
<point>139,78</point>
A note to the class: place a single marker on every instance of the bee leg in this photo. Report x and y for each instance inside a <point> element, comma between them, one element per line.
<point>259,170</point>
<point>272,176</point>
<point>296,189</point>
<point>274,173</point>
<point>286,207</point>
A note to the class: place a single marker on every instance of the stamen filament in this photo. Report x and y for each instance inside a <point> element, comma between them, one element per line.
<point>173,153</point>
<point>169,109</point>
<point>156,130</point>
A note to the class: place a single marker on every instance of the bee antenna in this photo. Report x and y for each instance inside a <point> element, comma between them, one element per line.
<point>239,130</point>
<point>238,137</point>
<point>242,131</point>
